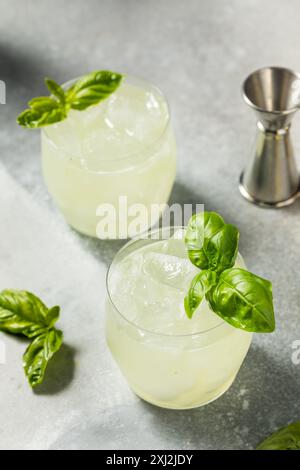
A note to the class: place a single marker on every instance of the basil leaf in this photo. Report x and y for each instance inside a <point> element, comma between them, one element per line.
<point>43,103</point>
<point>221,249</point>
<point>200,285</point>
<point>41,116</point>
<point>239,297</point>
<point>200,229</point>
<point>56,90</point>
<point>244,300</point>
<point>39,353</point>
<point>23,313</point>
<point>93,88</point>
<point>87,91</point>
<point>53,316</point>
<point>287,438</point>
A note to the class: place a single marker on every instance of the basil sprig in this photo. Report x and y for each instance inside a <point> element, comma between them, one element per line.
<point>200,286</point>
<point>22,313</point>
<point>287,438</point>
<point>39,353</point>
<point>239,297</point>
<point>87,91</point>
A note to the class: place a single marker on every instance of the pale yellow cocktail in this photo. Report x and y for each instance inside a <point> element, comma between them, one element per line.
<point>168,359</point>
<point>123,146</point>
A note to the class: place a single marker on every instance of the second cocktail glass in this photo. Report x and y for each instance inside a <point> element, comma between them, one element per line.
<point>123,146</point>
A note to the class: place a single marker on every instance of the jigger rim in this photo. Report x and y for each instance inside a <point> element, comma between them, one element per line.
<point>259,108</point>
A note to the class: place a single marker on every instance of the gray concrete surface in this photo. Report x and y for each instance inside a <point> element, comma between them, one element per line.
<point>198,52</point>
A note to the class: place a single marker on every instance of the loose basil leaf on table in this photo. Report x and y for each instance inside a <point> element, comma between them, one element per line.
<point>244,300</point>
<point>39,353</point>
<point>21,312</point>
<point>287,438</point>
<point>200,285</point>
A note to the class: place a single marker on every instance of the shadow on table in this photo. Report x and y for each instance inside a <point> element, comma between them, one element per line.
<point>181,194</point>
<point>60,372</point>
<point>23,74</point>
<point>107,249</point>
<point>263,398</point>
<point>293,208</point>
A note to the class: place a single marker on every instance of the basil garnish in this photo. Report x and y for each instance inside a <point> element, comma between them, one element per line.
<point>200,285</point>
<point>87,91</point>
<point>42,113</point>
<point>25,314</point>
<point>287,438</point>
<point>39,353</point>
<point>22,313</point>
<point>221,248</point>
<point>56,90</point>
<point>244,300</point>
<point>93,88</point>
<point>201,228</point>
<point>239,297</point>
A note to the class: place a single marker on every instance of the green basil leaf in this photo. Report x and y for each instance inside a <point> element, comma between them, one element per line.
<point>244,300</point>
<point>93,88</point>
<point>87,91</point>
<point>287,438</point>
<point>201,228</point>
<point>200,285</point>
<point>43,104</point>
<point>56,90</point>
<point>39,353</point>
<point>41,116</point>
<point>221,249</point>
<point>23,313</point>
<point>53,316</point>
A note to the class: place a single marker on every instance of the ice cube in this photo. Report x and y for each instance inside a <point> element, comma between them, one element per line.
<point>121,125</point>
<point>67,134</point>
<point>170,270</point>
<point>149,287</point>
<point>92,118</point>
<point>175,245</point>
<point>157,304</point>
<point>125,276</point>
<point>138,113</point>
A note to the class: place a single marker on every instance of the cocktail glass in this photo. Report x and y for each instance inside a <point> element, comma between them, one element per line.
<point>122,147</point>
<point>168,360</point>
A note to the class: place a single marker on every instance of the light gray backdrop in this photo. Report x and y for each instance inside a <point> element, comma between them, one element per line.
<point>198,52</point>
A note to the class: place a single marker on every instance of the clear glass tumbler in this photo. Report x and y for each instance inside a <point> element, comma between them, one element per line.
<point>122,147</point>
<point>163,366</point>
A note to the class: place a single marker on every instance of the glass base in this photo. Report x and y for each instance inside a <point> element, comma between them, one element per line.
<point>90,228</point>
<point>173,406</point>
<point>84,230</point>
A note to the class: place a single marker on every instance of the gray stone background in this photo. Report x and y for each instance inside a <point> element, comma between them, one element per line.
<point>198,53</point>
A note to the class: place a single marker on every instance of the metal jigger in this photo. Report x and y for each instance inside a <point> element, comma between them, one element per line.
<point>272,178</point>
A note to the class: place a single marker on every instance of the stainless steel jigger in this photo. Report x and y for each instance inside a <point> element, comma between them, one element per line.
<point>272,178</point>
